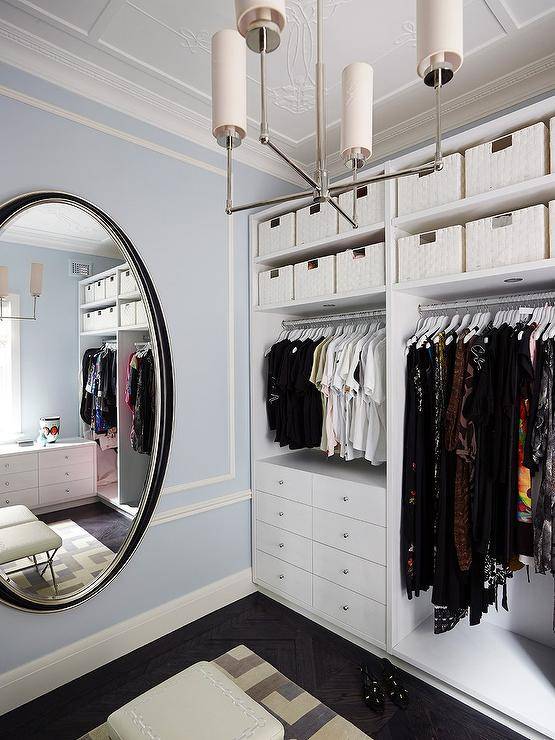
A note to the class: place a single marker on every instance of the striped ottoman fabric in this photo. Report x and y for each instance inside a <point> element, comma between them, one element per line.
<point>302,715</point>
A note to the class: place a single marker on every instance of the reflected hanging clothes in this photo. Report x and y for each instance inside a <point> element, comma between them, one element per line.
<point>140,397</point>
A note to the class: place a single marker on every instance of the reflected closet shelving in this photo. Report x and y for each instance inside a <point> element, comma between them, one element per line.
<point>131,466</point>
<point>486,666</point>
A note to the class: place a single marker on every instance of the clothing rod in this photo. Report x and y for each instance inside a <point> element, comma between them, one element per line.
<point>500,300</point>
<point>310,320</point>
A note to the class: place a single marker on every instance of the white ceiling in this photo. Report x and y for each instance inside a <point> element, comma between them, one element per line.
<point>152,58</point>
<point>60,226</point>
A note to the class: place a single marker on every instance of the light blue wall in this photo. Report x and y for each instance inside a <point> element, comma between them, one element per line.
<point>49,346</point>
<point>173,212</point>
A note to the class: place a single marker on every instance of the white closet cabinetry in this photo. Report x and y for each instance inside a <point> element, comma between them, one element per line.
<point>39,477</point>
<point>486,665</point>
<point>321,539</point>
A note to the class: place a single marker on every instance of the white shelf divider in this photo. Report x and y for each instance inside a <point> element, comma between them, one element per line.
<point>331,245</point>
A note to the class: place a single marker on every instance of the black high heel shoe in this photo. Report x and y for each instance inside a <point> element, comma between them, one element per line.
<point>372,692</point>
<point>394,690</point>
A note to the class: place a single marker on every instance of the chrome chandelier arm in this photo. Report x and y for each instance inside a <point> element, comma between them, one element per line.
<point>291,164</point>
<point>342,212</point>
<point>273,201</point>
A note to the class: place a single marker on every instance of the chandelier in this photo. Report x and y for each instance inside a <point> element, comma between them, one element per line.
<point>260,23</point>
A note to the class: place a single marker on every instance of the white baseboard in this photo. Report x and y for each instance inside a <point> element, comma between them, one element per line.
<point>27,682</point>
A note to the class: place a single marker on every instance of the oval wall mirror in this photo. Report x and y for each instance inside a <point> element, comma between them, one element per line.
<point>86,399</point>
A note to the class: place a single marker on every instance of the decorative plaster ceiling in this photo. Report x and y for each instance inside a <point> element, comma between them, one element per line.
<point>151,58</point>
<point>59,226</point>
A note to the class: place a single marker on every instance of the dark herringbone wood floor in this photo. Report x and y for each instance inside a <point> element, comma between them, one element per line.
<point>324,664</point>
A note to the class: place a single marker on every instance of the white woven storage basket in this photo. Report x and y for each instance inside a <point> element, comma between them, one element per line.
<point>275,286</point>
<point>88,293</point>
<point>522,155</point>
<point>315,277</point>
<point>276,234</point>
<point>128,313</point>
<point>316,222</point>
<point>507,239</point>
<point>363,267</point>
<point>370,206</point>
<point>111,286</point>
<point>419,192</point>
<point>552,228</point>
<point>440,252</point>
<point>552,138</point>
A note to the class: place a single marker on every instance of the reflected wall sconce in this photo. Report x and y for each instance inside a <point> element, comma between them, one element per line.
<point>35,289</point>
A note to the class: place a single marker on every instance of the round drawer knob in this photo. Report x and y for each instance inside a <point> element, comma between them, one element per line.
<point>282,544</point>
<point>67,490</point>
<point>345,571</point>
<point>7,500</point>
<point>280,513</point>
<point>67,475</point>
<point>281,576</point>
<point>345,499</point>
<point>281,482</point>
<point>7,483</point>
<point>345,607</point>
<point>346,535</point>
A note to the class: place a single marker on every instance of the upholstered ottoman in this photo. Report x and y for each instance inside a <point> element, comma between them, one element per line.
<point>12,515</point>
<point>200,703</point>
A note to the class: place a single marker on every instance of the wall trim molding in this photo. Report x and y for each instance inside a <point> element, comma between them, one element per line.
<point>164,151</point>
<point>200,507</point>
<point>33,679</point>
<point>57,66</point>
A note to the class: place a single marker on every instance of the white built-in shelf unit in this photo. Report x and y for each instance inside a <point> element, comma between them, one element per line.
<point>486,666</point>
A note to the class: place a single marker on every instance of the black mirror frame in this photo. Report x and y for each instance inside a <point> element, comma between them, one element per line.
<point>165,393</point>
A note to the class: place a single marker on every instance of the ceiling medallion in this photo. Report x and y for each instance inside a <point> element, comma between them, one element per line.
<point>439,41</point>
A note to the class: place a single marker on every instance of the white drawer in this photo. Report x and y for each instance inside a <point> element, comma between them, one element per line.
<point>65,491</point>
<point>358,538</point>
<point>284,514</point>
<point>18,481</point>
<point>65,474</point>
<point>64,457</point>
<point>284,545</point>
<point>351,499</point>
<point>285,482</point>
<point>350,571</point>
<point>353,610</point>
<point>18,463</point>
<point>28,498</point>
<point>284,577</point>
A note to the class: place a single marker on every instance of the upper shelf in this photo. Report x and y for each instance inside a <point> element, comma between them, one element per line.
<point>508,278</point>
<point>359,299</point>
<point>510,198</point>
<point>331,245</point>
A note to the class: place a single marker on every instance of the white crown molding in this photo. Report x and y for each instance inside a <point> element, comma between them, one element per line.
<point>38,57</point>
<point>201,507</point>
<point>33,679</point>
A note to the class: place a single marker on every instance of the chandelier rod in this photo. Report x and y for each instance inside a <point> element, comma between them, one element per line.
<point>321,149</point>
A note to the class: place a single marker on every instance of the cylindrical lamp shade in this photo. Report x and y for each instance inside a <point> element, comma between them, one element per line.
<point>35,284</point>
<point>229,84</point>
<point>4,291</point>
<point>356,115</point>
<point>439,34</point>
<point>259,12</point>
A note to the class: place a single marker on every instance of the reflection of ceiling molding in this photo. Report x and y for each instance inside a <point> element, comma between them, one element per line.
<point>15,234</point>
